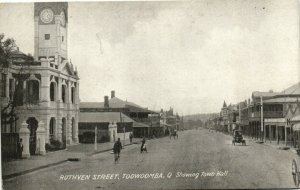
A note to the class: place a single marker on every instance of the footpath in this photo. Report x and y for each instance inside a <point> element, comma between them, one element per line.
<point>19,167</point>
<point>274,144</point>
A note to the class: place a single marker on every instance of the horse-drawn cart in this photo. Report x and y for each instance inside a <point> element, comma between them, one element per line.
<point>238,137</point>
<point>296,169</point>
<point>173,134</point>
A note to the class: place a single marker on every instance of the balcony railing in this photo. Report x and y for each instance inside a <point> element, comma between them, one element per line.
<point>147,121</point>
<point>268,114</point>
<point>273,114</point>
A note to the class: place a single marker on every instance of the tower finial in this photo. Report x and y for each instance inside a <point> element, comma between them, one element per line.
<point>224,104</point>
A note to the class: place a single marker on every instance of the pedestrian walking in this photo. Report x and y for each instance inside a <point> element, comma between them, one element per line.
<point>143,147</point>
<point>130,137</point>
<point>20,148</point>
<point>117,150</point>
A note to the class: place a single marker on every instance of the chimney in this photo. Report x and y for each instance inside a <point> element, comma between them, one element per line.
<point>112,94</point>
<point>106,104</point>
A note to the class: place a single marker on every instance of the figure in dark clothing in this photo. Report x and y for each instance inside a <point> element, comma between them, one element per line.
<point>20,148</point>
<point>143,147</point>
<point>117,149</point>
<point>130,137</point>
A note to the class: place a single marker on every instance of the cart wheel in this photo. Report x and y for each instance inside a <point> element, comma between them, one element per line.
<point>295,173</point>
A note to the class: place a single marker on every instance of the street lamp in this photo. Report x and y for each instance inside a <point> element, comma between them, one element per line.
<point>123,128</point>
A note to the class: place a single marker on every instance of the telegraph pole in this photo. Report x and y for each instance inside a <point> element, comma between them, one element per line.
<point>123,128</point>
<point>262,119</point>
<point>95,145</point>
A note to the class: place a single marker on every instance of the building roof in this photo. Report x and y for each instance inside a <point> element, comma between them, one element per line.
<point>295,89</point>
<point>20,58</point>
<point>232,107</point>
<point>17,53</point>
<point>265,94</point>
<point>292,90</point>
<point>103,117</point>
<point>91,105</point>
<point>115,103</point>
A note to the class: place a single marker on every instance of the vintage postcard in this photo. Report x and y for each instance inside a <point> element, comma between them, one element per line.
<point>150,94</point>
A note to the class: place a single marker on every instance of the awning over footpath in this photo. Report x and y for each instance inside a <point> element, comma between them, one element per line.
<point>296,121</point>
<point>140,125</point>
<point>170,126</point>
<point>295,118</point>
<point>275,121</point>
<point>296,127</point>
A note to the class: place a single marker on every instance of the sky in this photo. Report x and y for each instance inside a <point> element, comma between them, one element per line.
<point>189,55</point>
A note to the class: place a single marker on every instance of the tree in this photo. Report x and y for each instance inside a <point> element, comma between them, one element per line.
<point>8,48</point>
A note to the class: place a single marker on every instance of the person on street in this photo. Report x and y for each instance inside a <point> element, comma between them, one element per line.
<point>130,137</point>
<point>20,148</point>
<point>143,147</point>
<point>117,149</point>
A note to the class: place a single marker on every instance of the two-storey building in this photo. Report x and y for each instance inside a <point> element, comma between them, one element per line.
<point>44,91</point>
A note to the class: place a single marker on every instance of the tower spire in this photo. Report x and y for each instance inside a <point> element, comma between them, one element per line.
<point>224,104</point>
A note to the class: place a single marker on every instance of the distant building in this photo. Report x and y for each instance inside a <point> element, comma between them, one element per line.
<point>271,110</point>
<point>269,116</point>
<point>233,117</point>
<point>170,121</point>
<point>110,126</point>
<point>145,121</point>
<point>224,117</point>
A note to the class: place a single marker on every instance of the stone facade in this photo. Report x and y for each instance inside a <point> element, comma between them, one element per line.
<point>45,90</point>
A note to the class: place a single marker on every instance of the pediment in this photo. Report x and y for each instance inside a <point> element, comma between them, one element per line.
<point>67,68</point>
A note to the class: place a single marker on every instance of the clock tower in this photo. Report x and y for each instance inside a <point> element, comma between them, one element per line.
<point>50,31</point>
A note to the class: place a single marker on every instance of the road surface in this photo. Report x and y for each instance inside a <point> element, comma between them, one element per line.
<point>198,159</point>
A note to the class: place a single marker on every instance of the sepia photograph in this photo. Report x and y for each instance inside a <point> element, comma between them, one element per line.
<point>198,94</point>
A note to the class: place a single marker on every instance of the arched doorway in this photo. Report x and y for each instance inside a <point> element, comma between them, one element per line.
<point>73,129</point>
<point>52,91</point>
<point>64,131</point>
<point>52,128</point>
<point>32,126</point>
<point>64,93</point>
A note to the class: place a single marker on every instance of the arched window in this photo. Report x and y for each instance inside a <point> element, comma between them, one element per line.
<point>32,91</point>
<point>52,91</point>
<point>73,95</point>
<point>52,128</point>
<point>64,130</point>
<point>73,129</point>
<point>63,93</point>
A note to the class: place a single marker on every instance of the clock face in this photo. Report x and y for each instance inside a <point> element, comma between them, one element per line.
<point>63,18</point>
<point>46,15</point>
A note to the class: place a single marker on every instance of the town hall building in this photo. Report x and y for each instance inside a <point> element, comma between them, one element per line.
<point>44,89</point>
